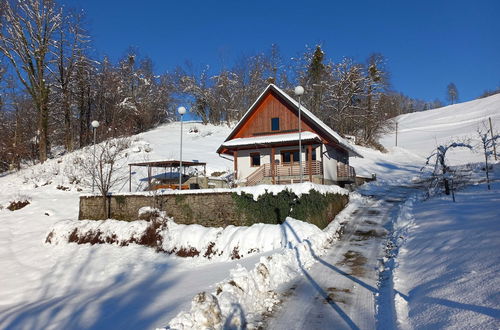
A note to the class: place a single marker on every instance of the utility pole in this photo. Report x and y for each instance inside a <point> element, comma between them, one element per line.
<point>492,140</point>
<point>396,134</point>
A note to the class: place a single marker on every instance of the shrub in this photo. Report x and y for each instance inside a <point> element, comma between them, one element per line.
<point>314,207</point>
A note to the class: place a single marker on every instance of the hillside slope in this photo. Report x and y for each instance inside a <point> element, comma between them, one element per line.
<point>421,132</point>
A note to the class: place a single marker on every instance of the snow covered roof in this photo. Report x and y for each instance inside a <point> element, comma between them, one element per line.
<point>305,113</point>
<point>168,163</point>
<point>277,138</point>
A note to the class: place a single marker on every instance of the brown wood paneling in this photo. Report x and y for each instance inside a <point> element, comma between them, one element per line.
<point>259,123</point>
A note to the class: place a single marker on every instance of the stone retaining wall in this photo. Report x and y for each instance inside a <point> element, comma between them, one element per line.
<point>207,209</point>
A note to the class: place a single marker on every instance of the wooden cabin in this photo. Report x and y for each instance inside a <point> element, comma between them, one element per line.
<point>265,145</point>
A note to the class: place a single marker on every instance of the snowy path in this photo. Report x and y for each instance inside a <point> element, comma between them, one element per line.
<point>340,290</point>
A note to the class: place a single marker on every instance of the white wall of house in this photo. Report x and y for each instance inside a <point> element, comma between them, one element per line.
<point>330,157</point>
<point>244,163</point>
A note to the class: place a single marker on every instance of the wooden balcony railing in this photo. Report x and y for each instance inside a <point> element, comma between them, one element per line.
<point>345,172</point>
<point>281,170</point>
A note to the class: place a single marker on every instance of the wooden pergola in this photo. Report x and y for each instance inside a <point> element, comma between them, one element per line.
<point>171,164</point>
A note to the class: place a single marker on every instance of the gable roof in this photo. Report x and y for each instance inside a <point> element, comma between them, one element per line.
<point>306,114</point>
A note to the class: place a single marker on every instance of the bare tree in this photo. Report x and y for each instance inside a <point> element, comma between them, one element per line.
<point>70,43</point>
<point>488,141</point>
<point>106,168</point>
<point>27,40</point>
<point>452,93</point>
<point>441,171</point>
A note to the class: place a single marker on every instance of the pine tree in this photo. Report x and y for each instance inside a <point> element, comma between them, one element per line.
<point>315,80</point>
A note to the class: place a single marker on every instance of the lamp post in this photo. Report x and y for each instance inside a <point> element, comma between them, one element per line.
<point>299,90</point>
<point>181,111</point>
<point>94,124</point>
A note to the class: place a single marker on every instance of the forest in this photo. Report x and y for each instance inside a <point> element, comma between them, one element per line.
<point>52,86</point>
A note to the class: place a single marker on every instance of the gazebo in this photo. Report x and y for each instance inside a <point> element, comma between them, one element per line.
<point>170,164</point>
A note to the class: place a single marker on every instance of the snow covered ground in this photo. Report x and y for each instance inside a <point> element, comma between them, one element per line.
<point>445,271</point>
<point>447,268</point>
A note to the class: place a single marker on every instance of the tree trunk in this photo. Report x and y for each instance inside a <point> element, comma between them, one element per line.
<point>68,135</point>
<point>43,145</point>
<point>446,187</point>
<point>104,207</point>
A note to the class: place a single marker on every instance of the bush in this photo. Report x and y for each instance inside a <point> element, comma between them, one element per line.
<point>314,207</point>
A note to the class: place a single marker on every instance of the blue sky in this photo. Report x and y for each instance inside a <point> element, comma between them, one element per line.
<point>428,44</point>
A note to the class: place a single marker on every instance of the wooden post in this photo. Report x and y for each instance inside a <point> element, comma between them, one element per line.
<point>149,177</point>
<point>273,164</point>
<point>130,178</point>
<point>309,160</point>
<point>235,161</point>
<point>494,143</point>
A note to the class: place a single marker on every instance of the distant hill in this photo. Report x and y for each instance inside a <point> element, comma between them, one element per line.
<point>421,132</point>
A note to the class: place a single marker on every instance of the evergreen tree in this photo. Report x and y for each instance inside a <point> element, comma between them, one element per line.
<point>315,81</point>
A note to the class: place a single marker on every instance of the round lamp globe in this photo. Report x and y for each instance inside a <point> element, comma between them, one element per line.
<point>181,110</point>
<point>299,90</point>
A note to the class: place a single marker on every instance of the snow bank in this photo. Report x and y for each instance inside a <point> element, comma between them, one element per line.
<point>97,231</point>
<point>185,240</point>
<point>238,301</point>
<point>235,242</point>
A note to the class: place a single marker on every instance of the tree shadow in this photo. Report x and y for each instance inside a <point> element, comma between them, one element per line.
<point>124,302</point>
<point>238,314</point>
<point>350,323</point>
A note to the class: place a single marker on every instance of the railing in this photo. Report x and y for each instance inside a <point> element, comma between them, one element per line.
<point>281,170</point>
<point>257,176</point>
<point>345,172</point>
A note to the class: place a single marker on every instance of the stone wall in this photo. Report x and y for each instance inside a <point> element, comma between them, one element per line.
<point>207,209</point>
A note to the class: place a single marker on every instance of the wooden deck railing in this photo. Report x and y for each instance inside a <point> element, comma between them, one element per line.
<point>284,170</point>
<point>345,172</point>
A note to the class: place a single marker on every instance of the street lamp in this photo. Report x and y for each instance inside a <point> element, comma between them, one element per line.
<point>299,90</point>
<point>181,111</point>
<point>94,124</point>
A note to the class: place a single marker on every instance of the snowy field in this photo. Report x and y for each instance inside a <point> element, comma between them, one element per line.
<point>447,268</point>
<point>445,271</point>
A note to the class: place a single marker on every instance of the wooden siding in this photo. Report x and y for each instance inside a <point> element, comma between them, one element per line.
<point>259,123</point>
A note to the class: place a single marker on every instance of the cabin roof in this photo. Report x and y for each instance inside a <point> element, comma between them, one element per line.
<point>322,128</point>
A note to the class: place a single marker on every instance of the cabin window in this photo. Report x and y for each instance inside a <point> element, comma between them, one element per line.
<point>275,124</point>
<point>289,156</point>
<point>254,159</point>
<point>313,154</point>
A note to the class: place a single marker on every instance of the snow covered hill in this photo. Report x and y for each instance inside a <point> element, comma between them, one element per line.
<point>422,132</point>
<point>82,286</point>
